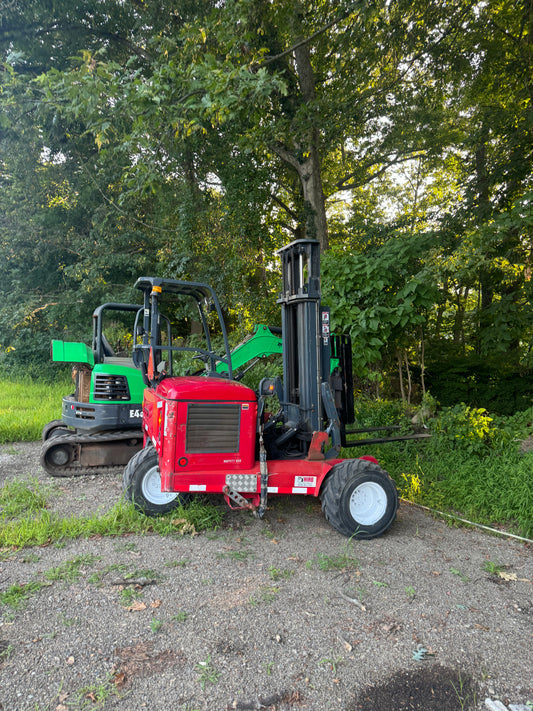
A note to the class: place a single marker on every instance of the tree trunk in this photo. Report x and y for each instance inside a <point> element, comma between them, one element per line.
<point>309,170</point>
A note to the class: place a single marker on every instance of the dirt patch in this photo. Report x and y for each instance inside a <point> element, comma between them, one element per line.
<point>433,689</point>
<point>280,614</point>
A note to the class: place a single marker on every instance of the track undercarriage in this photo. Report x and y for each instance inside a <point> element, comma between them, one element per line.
<point>70,453</point>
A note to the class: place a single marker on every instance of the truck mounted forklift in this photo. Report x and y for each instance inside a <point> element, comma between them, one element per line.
<point>209,433</point>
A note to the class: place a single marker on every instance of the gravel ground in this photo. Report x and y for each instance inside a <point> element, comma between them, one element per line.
<point>279,614</point>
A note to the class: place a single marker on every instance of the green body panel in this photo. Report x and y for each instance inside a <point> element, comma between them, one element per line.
<point>130,372</point>
<point>260,344</point>
<point>65,352</point>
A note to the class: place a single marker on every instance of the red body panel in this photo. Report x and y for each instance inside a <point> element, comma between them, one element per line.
<point>186,467</point>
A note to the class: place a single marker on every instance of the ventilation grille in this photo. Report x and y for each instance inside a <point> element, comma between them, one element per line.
<point>111,387</point>
<point>213,428</point>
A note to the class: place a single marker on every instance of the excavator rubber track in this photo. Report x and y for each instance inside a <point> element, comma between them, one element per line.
<point>76,454</point>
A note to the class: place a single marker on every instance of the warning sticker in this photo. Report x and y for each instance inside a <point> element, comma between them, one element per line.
<point>305,481</point>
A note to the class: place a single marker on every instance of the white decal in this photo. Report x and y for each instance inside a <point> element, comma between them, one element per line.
<point>305,481</point>
<point>136,413</point>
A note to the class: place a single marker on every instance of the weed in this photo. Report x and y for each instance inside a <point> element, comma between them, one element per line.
<point>492,568</point>
<point>463,695</point>
<point>127,546</point>
<point>264,595</point>
<point>69,621</point>
<point>207,672</point>
<point>70,571</point>
<point>342,561</point>
<point>6,653</point>
<point>143,573</point>
<point>156,625</point>
<point>278,574</point>
<point>128,596</point>
<point>460,575</point>
<point>332,663</point>
<point>236,555</point>
<point>410,592</point>
<point>16,595</point>
<point>178,563</point>
<point>30,558</point>
<point>379,584</point>
<point>420,654</point>
<point>268,667</point>
<point>180,616</point>
<point>96,695</point>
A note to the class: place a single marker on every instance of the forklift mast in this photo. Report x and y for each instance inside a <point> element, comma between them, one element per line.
<point>306,337</point>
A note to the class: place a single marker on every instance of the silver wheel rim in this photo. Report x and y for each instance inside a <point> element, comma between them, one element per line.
<point>368,503</point>
<point>151,489</point>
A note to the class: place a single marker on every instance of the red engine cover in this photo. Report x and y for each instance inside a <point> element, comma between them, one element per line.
<point>200,424</point>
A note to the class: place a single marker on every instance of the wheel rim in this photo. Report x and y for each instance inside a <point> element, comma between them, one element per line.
<point>151,488</point>
<point>368,503</point>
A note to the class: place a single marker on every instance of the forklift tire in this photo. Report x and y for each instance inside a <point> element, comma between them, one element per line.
<point>53,429</point>
<point>141,484</point>
<point>359,499</point>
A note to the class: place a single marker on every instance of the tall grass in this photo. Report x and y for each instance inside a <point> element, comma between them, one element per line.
<point>27,405</point>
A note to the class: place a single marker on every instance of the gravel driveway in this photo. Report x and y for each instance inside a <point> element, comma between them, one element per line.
<point>282,613</point>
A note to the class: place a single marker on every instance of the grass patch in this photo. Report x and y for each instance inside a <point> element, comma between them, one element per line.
<point>27,405</point>
<point>33,525</point>
<point>17,497</point>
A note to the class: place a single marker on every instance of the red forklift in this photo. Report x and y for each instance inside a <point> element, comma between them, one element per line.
<point>208,433</point>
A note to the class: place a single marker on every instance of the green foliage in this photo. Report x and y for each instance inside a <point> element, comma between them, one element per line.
<point>463,429</point>
<point>380,297</point>
<point>471,467</point>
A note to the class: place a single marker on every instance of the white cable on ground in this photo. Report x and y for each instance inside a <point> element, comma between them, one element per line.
<point>470,523</point>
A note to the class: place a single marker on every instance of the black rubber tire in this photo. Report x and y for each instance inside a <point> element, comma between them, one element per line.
<point>139,485</point>
<point>54,428</point>
<point>359,499</point>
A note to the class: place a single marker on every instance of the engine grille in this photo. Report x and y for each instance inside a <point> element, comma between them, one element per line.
<point>212,428</point>
<point>111,387</point>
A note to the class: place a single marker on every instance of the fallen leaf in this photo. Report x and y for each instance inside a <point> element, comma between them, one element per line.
<point>62,707</point>
<point>156,603</point>
<point>69,661</point>
<point>274,541</point>
<point>512,577</point>
<point>137,606</point>
<point>119,679</point>
<point>91,695</point>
